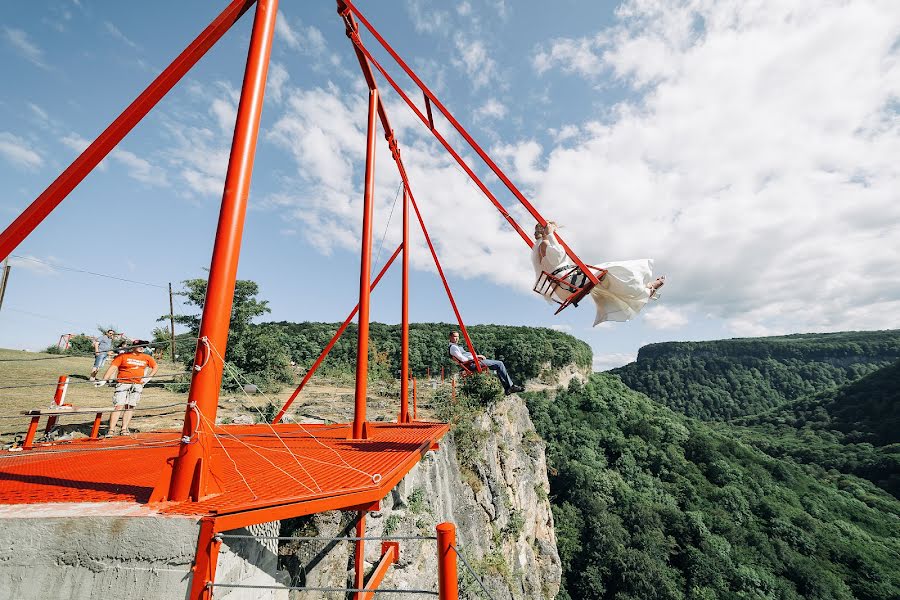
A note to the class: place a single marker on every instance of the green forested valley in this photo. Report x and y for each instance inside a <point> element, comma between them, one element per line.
<point>725,379</point>
<point>649,504</point>
<point>826,400</point>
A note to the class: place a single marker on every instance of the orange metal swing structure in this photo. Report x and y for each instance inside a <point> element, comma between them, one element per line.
<point>231,476</point>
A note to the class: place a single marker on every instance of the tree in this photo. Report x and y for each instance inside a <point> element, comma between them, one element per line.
<point>257,354</point>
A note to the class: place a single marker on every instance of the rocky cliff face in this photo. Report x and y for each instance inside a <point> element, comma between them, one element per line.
<point>491,481</point>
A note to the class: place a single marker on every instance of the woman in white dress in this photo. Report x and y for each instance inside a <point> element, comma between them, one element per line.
<point>620,295</point>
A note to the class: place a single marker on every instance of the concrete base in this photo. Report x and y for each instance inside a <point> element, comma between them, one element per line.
<point>102,551</point>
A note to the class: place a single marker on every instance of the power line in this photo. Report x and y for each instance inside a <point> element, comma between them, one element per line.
<point>74,270</point>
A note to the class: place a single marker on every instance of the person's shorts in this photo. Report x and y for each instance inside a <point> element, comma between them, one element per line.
<point>127,394</point>
<point>99,359</point>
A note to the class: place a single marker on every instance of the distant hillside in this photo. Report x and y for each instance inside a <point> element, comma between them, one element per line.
<point>650,504</point>
<point>724,379</point>
<point>854,429</point>
<point>525,350</point>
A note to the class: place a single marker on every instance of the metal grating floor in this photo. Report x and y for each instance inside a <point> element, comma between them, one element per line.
<point>253,467</point>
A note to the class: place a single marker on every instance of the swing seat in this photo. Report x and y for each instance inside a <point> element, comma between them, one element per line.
<point>548,283</point>
<point>465,371</point>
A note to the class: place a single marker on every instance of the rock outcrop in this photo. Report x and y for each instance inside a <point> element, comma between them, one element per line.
<point>491,481</point>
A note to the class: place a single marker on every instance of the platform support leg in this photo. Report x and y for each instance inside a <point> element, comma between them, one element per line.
<point>206,377</point>
<point>28,444</point>
<point>365,270</point>
<point>204,569</point>
<point>95,428</point>
<point>359,555</point>
<point>447,584</point>
<point>415,412</point>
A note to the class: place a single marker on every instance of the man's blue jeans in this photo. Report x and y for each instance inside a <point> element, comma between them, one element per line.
<point>499,368</point>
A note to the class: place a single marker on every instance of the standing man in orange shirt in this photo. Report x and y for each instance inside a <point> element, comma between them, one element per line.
<point>130,380</point>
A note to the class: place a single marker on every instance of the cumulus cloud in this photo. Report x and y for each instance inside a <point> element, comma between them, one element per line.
<point>492,109</point>
<point>661,316</point>
<point>472,58</point>
<point>19,152</point>
<point>755,159</point>
<point>611,360</point>
<point>306,39</point>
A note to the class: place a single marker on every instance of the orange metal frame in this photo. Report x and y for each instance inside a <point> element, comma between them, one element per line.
<point>192,477</point>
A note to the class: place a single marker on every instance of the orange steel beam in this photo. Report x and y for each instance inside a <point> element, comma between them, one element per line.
<point>390,554</point>
<point>333,341</point>
<point>204,569</point>
<point>365,271</point>
<point>363,56</point>
<point>404,318</point>
<point>188,478</point>
<point>287,510</point>
<point>440,138</point>
<point>465,134</point>
<point>359,555</point>
<point>50,198</point>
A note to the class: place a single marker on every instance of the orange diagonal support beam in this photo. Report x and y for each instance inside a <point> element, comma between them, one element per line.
<point>429,95</point>
<point>334,340</point>
<point>390,554</point>
<point>44,204</point>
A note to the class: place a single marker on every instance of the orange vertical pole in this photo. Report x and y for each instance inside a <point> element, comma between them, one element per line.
<point>95,428</point>
<point>365,269</point>
<point>404,318</point>
<point>359,556</point>
<point>28,444</point>
<point>442,374</point>
<point>415,416</point>
<point>192,463</point>
<point>62,385</point>
<point>447,584</point>
<point>204,569</point>
<point>453,388</point>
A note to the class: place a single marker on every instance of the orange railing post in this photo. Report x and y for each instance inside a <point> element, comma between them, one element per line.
<point>59,399</point>
<point>415,415</point>
<point>446,554</point>
<point>404,318</point>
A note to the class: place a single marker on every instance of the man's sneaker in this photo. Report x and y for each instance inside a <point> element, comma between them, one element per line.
<point>514,389</point>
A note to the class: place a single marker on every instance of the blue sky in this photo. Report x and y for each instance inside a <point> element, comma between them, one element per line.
<point>750,149</point>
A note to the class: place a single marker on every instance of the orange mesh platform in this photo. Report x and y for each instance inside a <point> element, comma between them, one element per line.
<point>254,468</point>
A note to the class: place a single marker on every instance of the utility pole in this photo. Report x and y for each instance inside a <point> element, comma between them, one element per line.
<point>4,277</point>
<point>172,321</point>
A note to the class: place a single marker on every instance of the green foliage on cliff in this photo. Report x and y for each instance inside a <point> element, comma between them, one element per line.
<point>525,350</point>
<point>651,504</point>
<point>731,378</point>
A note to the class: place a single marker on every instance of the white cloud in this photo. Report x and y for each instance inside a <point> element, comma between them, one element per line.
<point>34,264</point>
<point>20,41</point>
<point>464,9</point>
<point>492,109</point>
<point>755,159</point>
<point>140,169</point>
<point>428,19</point>
<point>117,34</point>
<point>604,362</point>
<point>276,80</point>
<point>19,152</point>
<point>474,60</point>
<point>660,316</point>
<point>566,328</point>
<point>302,38</point>
<point>572,55</point>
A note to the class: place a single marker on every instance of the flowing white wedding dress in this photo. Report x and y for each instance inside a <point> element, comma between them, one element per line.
<point>619,296</point>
